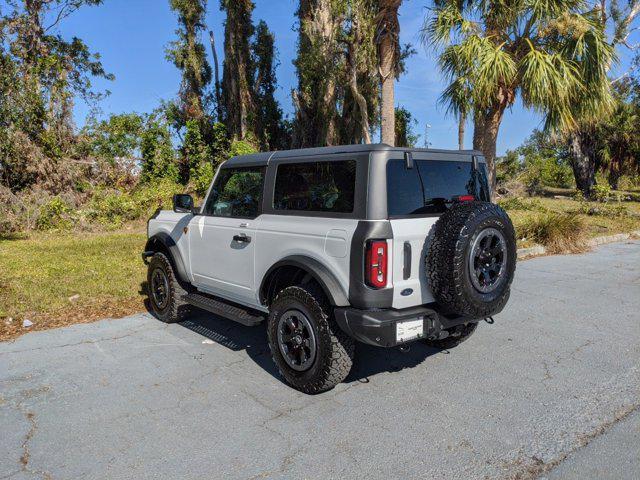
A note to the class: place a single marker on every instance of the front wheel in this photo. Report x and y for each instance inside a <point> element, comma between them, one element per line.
<point>165,292</point>
<point>309,349</point>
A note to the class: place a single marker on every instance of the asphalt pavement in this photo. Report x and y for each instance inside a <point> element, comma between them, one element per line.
<point>551,390</point>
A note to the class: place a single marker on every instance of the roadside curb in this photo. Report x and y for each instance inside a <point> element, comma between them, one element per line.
<point>537,250</point>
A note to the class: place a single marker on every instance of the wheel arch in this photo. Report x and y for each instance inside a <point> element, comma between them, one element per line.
<point>295,268</point>
<point>162,242</point>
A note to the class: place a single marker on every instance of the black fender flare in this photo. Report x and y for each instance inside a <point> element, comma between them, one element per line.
<point>162,242</point>
<point>320,273</point>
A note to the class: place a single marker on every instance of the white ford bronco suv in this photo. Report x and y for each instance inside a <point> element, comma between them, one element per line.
<point>334,245</point>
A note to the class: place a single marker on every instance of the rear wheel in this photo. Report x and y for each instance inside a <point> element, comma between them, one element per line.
<point>311,352</point>
<point>165,292</point>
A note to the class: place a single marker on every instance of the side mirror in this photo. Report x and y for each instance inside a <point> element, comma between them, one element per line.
<point>183,203</point>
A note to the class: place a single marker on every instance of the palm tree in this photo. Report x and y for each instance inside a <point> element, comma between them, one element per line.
<point>388,41</point>
<point>619,135</point>
<point>552,55</point>
<point>616,20</point>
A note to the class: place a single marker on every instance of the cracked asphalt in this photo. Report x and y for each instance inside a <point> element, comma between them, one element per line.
<point>552,389</point>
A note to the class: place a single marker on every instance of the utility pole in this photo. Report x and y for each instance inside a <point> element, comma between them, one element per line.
<point>426,135</point>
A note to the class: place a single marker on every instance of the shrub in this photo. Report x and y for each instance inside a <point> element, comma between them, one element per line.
<point>158,194</point>
<point>508,167</point>
<point>56,214</point>
<point>630,182</point>
<point>546,172</point>
<point>602,192</point>
<point>558,232</point>
<point>201,178</point>
<point>518,203</point>
<point>241,147</point>
<point>11,211</point>
<point>112,208</point>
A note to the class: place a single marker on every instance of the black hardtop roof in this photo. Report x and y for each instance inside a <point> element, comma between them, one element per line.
<point>264,157</point>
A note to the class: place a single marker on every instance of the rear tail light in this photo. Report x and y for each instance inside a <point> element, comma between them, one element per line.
<point>466,198</point>
<point>376,264</point>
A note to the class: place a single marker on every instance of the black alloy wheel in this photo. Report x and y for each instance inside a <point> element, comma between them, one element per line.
<point>296,340</point>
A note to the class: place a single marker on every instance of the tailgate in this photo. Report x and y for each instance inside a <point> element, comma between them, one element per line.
<point>410,237</point>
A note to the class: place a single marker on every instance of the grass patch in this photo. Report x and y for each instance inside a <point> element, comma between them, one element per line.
<point>558,232</point>
<point>599,219</point>
<point>519,203</point>
<point>56,280</point>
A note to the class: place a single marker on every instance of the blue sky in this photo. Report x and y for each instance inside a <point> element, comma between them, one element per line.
<point>131,36</point>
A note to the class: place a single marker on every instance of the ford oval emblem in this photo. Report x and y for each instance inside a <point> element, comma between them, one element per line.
<point>406,292</point>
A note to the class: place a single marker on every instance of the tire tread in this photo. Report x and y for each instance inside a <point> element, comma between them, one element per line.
<point>178,308</point>
<point>341,348</point>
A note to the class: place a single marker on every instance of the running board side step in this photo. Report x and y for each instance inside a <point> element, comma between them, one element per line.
<point>225,309</point>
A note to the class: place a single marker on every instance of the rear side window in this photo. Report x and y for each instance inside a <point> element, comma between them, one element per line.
<point>236,193</point>
<point>316,187</point>
<point>432,186</point>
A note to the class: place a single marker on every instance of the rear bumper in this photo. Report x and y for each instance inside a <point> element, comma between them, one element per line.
<point>380,327</point>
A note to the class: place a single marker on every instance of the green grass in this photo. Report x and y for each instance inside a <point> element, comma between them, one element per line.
<point>42,274</point>
<point>526,213</point>
<point>558,232</point>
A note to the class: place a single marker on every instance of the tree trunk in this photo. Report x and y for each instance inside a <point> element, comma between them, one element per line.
<point>485,137</point>
<point>387,108</point>
<point>361,101</point>
<point>216,70</point>
<point>583,161</point>
<point>615,171</point>
<point>237,78</point>
<point>614,179</point>
<point>317,66</point>
<point>388,38</point>
<point>461,128</point>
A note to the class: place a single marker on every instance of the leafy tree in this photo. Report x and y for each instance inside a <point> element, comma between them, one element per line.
<point>508,167</point>
<point>40,76</point>
<point>548,54</point>
<point>319,63</point>
<point>194,149</point>
<point>340,89</point>
<point>113,138</point>
<point>405,132</point>
<point>238,77</point>
<point>272,134</point>
<point>543,160</point>
<point>615,21</point>
<point>619,136</point>
<point>361,91</point>
<point>157,152</point>
<point>189,55</point>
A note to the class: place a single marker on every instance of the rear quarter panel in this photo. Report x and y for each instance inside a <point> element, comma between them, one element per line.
<point>326,240</point>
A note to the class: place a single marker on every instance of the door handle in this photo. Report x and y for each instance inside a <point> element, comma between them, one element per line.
<point>242,238</point>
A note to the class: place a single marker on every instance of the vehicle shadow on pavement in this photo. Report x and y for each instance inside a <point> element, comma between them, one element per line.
<point>234,336</point>
<point>370,360</point>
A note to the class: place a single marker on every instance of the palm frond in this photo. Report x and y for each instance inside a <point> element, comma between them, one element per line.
<point>496,68</point>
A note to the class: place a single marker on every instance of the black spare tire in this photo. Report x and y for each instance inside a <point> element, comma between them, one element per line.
<point>471,259</point>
